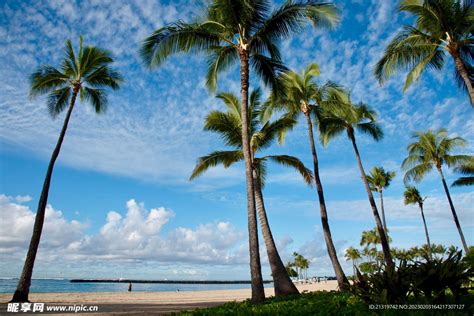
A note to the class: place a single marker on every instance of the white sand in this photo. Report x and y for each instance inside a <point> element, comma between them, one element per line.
<point>112,303</point>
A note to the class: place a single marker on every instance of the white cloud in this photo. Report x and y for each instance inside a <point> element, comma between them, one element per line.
<point>136,235</point>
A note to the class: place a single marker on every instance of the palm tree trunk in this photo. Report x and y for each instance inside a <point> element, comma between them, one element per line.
<point>281,281</point>
<point>383,213</point>
<point>461,68</point>
<point>342,281</point>
<point>455,216</point>
<point>426,231</point>
<point>258,294</point>
<point>23,287</point>
<point>383,237</point>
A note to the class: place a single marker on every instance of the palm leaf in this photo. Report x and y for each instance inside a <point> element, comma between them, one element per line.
<point>225,158</point>
<point>294,163</point>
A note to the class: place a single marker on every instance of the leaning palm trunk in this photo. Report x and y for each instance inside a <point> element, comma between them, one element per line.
<point>23,288</point>
<point>464,75</point>
<point>342,281</point>
<point>258,294</point>
<point>383,212</point>
<point>455,216</point>
<point>383,237</point>
<point>281,281</point>
<point>430,253</point>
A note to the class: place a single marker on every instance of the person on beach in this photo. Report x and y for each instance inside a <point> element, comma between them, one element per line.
<point>130,287</point>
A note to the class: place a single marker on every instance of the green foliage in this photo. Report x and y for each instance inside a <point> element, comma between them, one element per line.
<point>466,169</point>
<point>432,281</point>
<point>228,125</point>
<point>316,303</point>
<point>413,196</point>
<point>432,150</point>
<point>86,73</point>
<point>343,116</point>
<point>388,286</point>
<point>292,273</point>
<point>229,30</point>
<point>379,178</point>
<point>368,267</point>
<point>440,27</point>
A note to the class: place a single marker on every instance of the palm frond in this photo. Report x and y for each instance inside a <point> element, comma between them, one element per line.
<point>104,77</point>
<point>225,158</point>
<point>58,100</point>
<point>294,163</point>
<point>220,60</point>
<point>271,131</point>
<point>227,125</point>
<point>174,38</point>
<point>231,101</point>
<point>418,172</point>
<point>268,70</point>
<point>292,16</point>
<point>96,97</point>
<point>45,79</point>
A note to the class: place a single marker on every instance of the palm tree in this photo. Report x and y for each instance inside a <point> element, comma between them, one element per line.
<point>433,149</point>
<point>354,255</point>
<point>86,74</point>
<point>380,179</point>
<point>413,196</point>
<point>248,32</point>
<point>467,169</point>
<point>345,116</point>
<point>228,125</point>
<point>304,96</point>
<point>299,263</point>
<point>440,27</point>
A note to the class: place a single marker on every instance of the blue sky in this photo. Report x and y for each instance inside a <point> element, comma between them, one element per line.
<point>121,204</point>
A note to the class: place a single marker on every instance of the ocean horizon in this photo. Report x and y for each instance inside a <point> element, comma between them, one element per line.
<point>64,285</point>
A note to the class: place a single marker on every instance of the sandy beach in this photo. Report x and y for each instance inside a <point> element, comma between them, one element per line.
<point>139,303</point>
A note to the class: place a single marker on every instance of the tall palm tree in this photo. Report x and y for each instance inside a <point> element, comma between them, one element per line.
<point>345,116</point>
<point>354,255</point>
<point>228,126</point>
<point>467,169</point>
<point>304,96</point>
<point>380,179</point>
<point>413,196</point>
<point>248,32</point>
<point>440,27</point>
<point>86,74</point>
<point>433,150</point>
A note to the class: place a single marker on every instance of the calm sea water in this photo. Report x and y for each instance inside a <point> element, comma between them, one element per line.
<point>64,286</point>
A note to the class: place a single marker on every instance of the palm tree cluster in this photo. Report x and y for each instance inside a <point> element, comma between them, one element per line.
<point>301,264</point>
<point>248,33</point>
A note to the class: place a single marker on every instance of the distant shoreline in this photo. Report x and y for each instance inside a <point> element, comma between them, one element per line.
<point>163,281</point>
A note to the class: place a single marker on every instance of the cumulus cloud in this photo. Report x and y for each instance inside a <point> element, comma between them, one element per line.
<point>16,227</point>
<point>135,235</point>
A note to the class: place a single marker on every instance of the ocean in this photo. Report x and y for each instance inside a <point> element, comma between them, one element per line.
<point>64,286</point>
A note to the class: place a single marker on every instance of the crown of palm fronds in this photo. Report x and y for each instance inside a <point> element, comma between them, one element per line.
<point>440,27</point>
<point>228,125</point>
<point>87,73</point>
<point>412,196</point>
<point>301,93</point>
<point>230,26</point>
<point>379,178</point>
<point>339,116</point>
<point>432,149</point>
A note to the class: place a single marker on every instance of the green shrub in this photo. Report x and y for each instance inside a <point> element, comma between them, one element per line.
<point>314,303</point>
<point>432,281</point>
